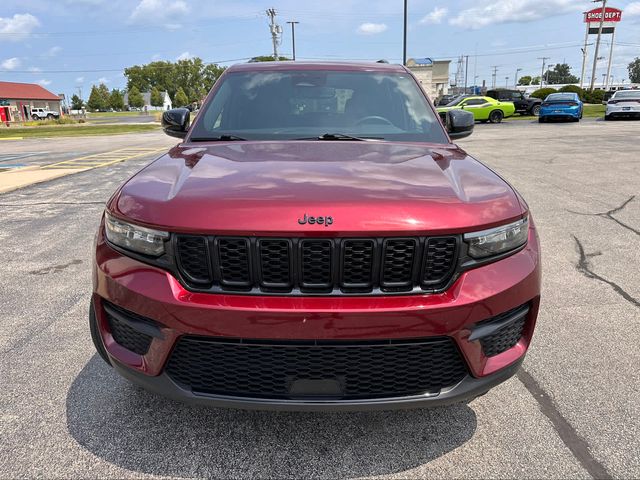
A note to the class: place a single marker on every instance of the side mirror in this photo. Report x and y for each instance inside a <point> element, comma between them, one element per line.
<point>175,122</point>
<point>459,124</point>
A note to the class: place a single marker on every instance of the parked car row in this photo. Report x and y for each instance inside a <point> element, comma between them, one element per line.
<point>503,103</point>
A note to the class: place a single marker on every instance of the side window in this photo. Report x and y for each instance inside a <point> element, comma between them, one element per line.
<point>475,101</point>
<point>516,96</point>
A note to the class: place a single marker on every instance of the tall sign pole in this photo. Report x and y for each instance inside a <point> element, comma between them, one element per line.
<point>293,38</point>
<point>613,35</point>
<point>404,39</point>
<point>595,54</point>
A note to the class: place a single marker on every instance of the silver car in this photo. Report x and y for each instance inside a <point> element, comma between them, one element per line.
<point>623,103</point>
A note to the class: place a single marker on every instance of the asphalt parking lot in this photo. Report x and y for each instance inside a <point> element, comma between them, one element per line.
<point>572,412</point>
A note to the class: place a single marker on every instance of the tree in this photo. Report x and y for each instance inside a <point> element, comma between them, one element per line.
<point>192,75</point>
<point>574,89</point>
<point>181,99</point>
<point>561,73</point>
<point>156,97</point>
<point>116,99</point>
<point>634,71</point>
<point>525,80</point>
<point>98,100</point>
<point>135,98</point>
<point>76,103</point>
<point>535,81</point>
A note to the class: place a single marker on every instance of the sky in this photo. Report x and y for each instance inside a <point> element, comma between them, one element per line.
<point>68,45</point>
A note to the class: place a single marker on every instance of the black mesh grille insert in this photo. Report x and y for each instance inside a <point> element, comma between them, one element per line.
<point>193,258</point>
<point>345,370</point>
<point>503,339</point>
<point>123,334</point>
<point>398,261</point>
<point>275,263</point>
<point>439,259</point>
<point>316,264</point>
<point>233,258</point>
<point>357,263</point>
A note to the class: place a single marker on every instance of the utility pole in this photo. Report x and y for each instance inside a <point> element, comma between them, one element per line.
<point>515,79</point>
<point>584,52</point>
<point>595,55</point>
<point>466,71</point>
<point>544,59</point>
<point>404,39</point>
<point>293,38</point>
<point>506,82</point>
<point>493,76</point>
<point>276,30</point>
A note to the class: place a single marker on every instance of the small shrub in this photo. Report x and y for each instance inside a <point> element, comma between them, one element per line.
<point>574,89</point>
<point>594,97</point>
<point>543,92</point>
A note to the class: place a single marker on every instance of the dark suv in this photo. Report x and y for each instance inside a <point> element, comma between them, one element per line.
<point>524,105</point>
<point>316,241</point>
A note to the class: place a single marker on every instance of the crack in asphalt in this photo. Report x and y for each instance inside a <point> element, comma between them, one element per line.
<point>569,436</point>
<point>584,267</point>
<point>609,215</point>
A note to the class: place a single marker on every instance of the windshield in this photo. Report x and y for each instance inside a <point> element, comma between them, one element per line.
<point>555,97</point>
<point>296,104</point>
<point>628,94</point>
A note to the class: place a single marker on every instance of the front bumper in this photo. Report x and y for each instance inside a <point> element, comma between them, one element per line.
<point>476,296</point>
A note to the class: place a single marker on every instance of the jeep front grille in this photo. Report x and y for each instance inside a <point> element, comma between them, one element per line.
<point>316,265</point>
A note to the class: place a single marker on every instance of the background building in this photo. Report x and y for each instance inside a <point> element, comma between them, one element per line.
<point>166,101</point>
<point>433,75</point>
<point>17,100</point>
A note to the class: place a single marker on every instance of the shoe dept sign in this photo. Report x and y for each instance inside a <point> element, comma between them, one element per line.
<point>611,17</point>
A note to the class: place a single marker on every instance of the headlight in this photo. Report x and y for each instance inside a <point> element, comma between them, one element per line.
<point>497,240</point>
<point>132,237</point>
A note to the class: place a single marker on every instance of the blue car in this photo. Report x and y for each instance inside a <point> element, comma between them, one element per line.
<point>561,105</point>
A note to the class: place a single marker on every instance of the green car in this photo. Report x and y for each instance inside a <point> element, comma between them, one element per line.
<point>483,108</point>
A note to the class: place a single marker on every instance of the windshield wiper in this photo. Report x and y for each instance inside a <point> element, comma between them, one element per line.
<point>219,138</point>
<point>340,136</point>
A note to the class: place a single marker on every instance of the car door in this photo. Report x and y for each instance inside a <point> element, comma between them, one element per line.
<point>477,106</point>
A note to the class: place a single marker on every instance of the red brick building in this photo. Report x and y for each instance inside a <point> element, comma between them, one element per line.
<point>17,100</point>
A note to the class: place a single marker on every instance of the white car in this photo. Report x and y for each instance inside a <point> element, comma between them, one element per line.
<point>43,114</point>
<point>623,103</point>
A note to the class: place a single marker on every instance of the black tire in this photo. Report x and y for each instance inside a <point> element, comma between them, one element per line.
<point>50,117</point>
<point>577,119</point>
<point>608,117</point>
<point>535,110</point>
<point>35,117</point>
<point>95,335</point>
<point>496,116</point>
<point>541,120</point>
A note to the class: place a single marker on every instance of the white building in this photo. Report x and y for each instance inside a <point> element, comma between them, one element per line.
<point>146,96</point>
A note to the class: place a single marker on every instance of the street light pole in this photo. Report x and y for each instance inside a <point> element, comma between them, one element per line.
<point>515,79</point>
<point>544,59</point>
<point>404,40</point>
<point>293,38</point>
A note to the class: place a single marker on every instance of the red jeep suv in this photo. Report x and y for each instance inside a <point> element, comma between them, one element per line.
<point>316,242</point>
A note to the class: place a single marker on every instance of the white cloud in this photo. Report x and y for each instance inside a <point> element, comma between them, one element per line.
<point>103,80</point>
<point>44,82</point>
<point>184,56</point>
<point>435,16</point>
<point>632,10</point>
<point>17,27</point>
<point>35,69</point>
<point>79,79</point>
<point>10,63</point>
<point>157,11</point>
<point>489,12</point>
<point>53,51</point>
<point>371,28</point>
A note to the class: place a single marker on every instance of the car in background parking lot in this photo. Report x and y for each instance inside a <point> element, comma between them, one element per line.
<point>483,108</point>
<point>524,105</point>
<point>561,105</point>
<point>623,104</point>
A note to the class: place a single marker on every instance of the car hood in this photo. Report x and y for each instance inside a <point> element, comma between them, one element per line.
<point>266,187</point>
